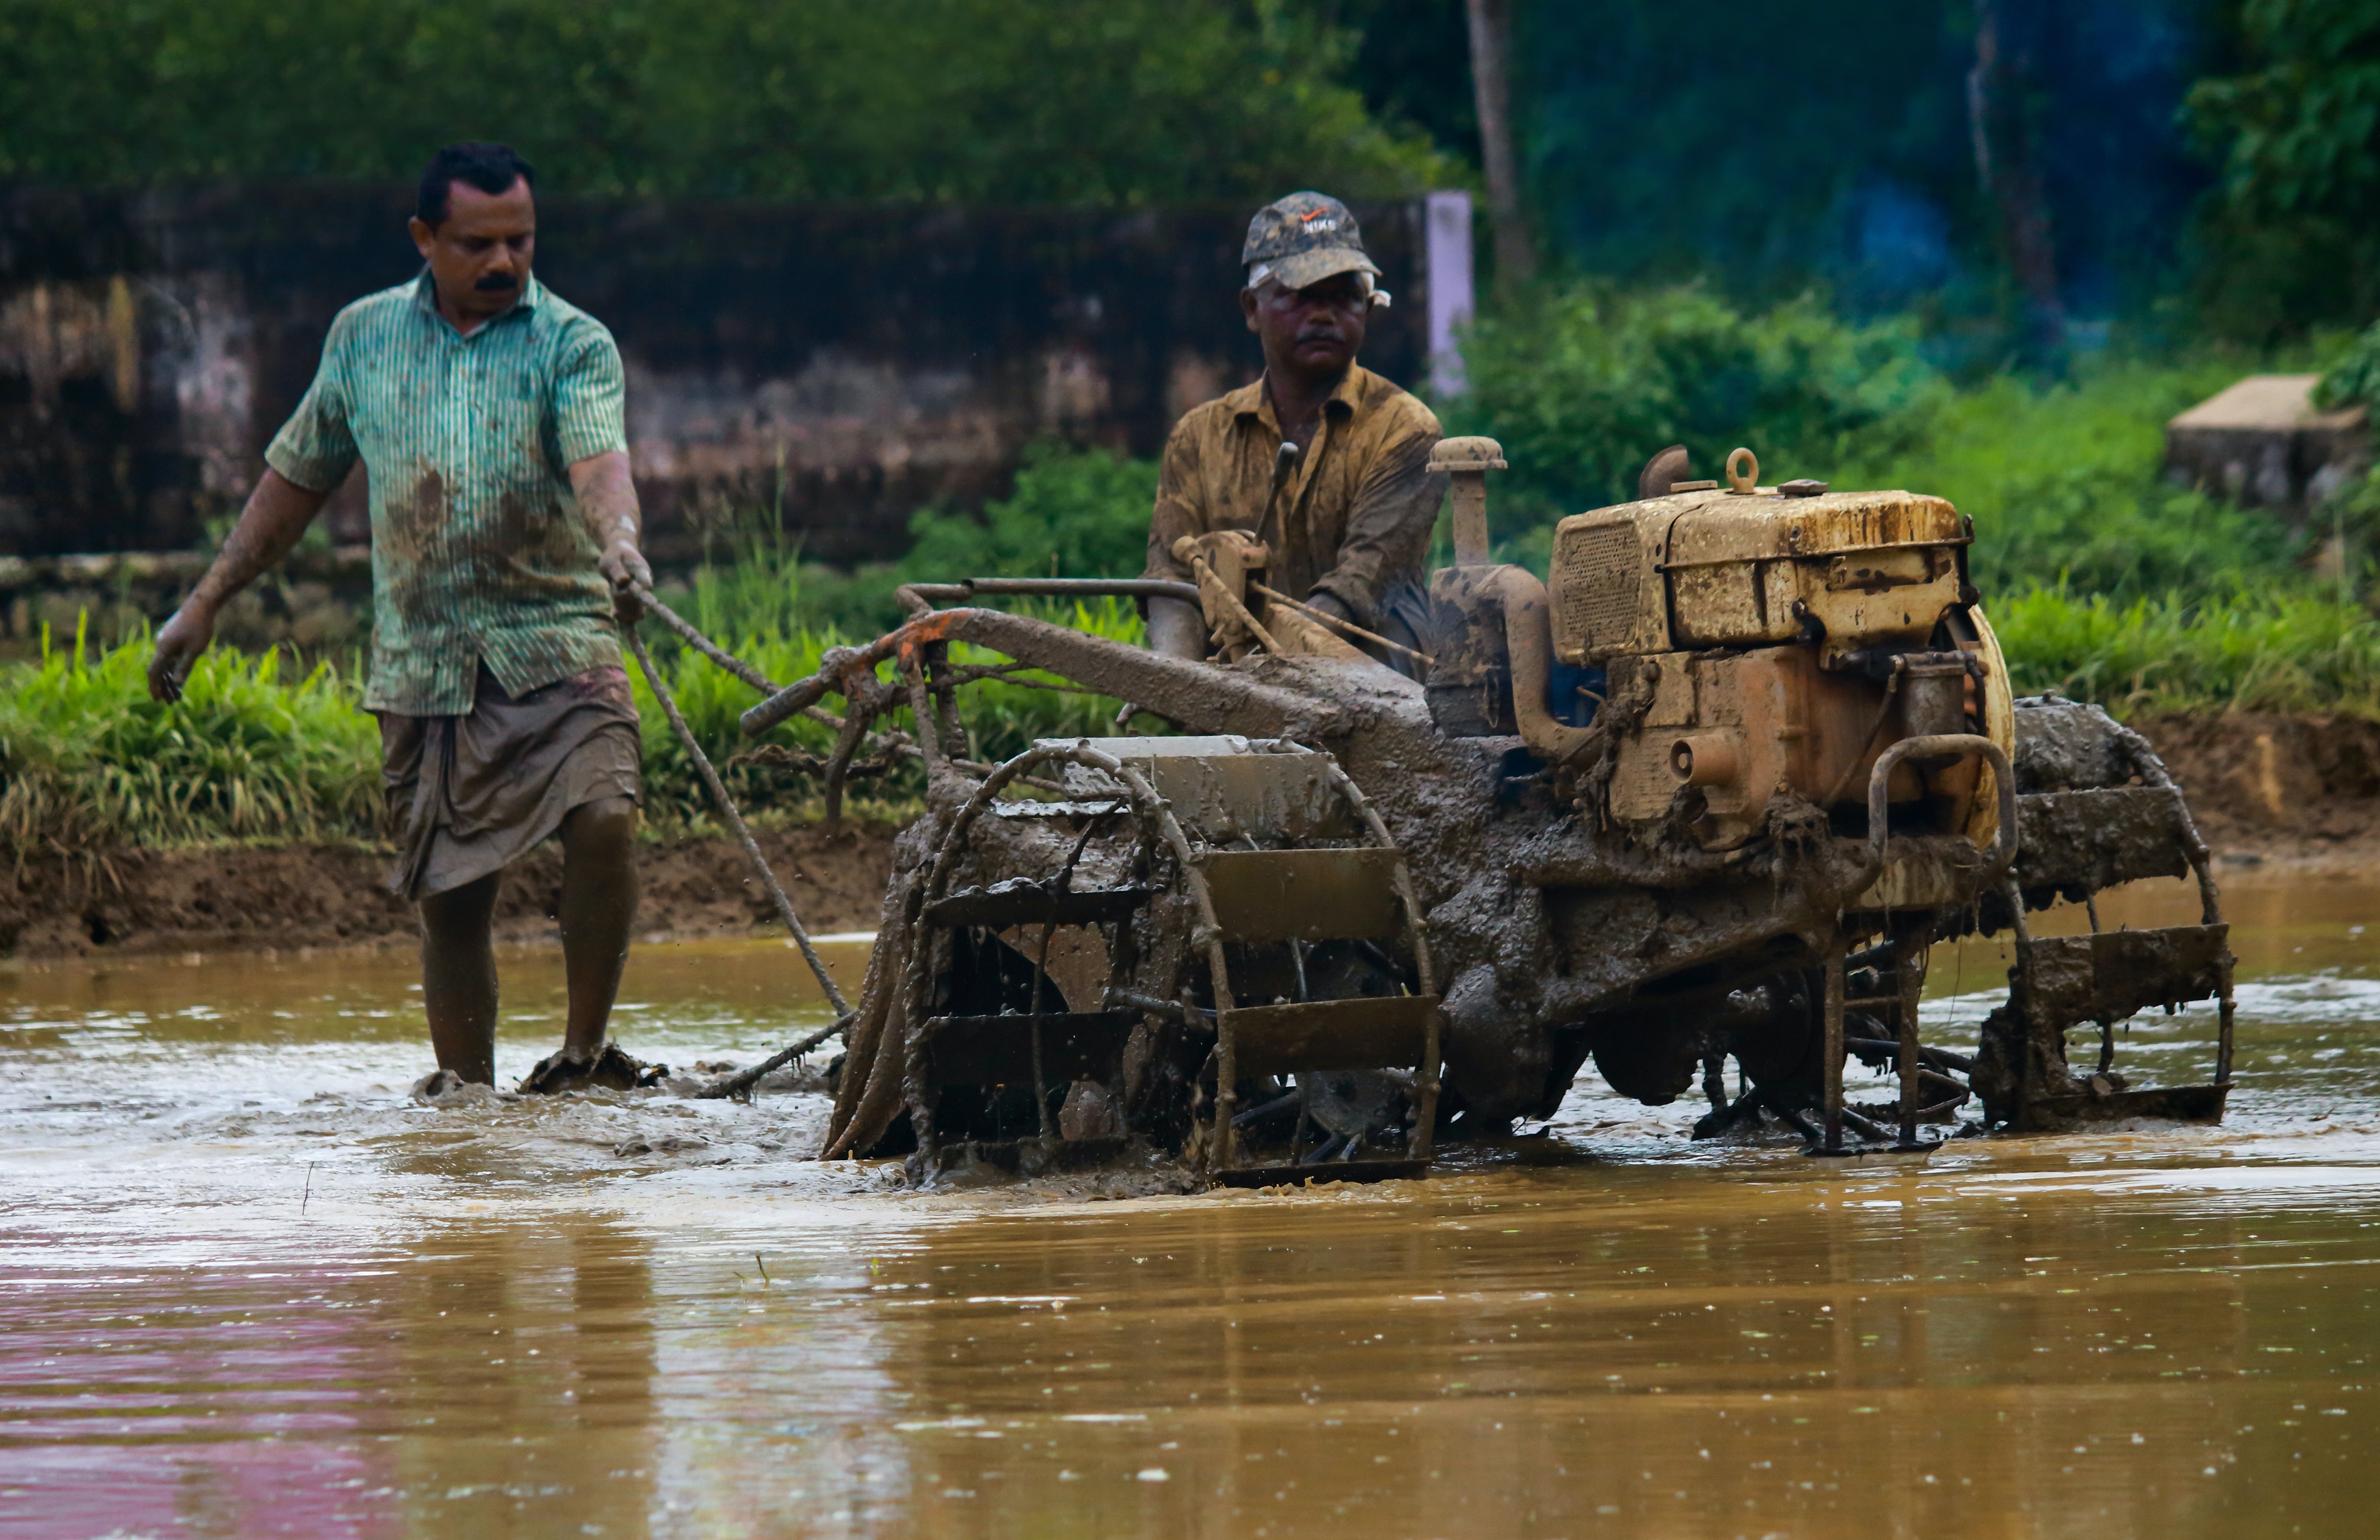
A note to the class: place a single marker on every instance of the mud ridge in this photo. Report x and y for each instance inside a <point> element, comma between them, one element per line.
<point>2294,790</point>
<point>248,898</point>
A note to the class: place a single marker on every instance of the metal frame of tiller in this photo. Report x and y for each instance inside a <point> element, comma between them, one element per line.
<point>1907,950</point>
<point>2108,976</point>
<point>1297,896</point>
<point>2101,833</point>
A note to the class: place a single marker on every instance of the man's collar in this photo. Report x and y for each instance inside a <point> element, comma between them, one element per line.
<point>1254,401</point>
<point>425,295</point>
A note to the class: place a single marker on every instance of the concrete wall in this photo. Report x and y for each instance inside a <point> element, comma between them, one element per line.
<point>856,363</point>
<point>2261,442</point>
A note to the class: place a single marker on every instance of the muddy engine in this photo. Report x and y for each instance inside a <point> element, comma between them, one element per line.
<point>1759,640</point>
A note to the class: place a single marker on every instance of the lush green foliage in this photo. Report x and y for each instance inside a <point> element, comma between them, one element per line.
<point>2301,130</point>
<point>2106,581</point>
<point>1582,384</point>
<point>2293,241</point>
<point>1071,514</point>
<point>2281,652</point>
<point>254,751</point>
<point>2356,375</point>
<point>250,752</point>
<point>2064,483</point>
<point>1080,515</point>
<point>1101,100</point>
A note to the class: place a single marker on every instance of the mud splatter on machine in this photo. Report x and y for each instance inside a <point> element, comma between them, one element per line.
<point>1710,794</point>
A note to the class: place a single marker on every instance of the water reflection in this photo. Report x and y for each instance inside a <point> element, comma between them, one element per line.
<point>521,1388</point>
<point>247,1289</point>
<point>488,1379</point>
<point>1669,1358</point>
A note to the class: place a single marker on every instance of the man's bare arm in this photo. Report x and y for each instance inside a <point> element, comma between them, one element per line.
<point>277,514</point>
<point>607,496</point>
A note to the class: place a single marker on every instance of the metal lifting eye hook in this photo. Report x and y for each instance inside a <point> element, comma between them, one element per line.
<point>1743,482</point>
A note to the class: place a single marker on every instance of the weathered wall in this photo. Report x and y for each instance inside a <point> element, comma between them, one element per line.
<point>859,360</point>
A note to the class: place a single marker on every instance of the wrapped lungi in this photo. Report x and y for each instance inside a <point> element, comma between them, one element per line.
<point>479,791</point>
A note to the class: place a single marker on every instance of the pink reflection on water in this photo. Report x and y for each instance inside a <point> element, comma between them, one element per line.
<point>230,1405</point>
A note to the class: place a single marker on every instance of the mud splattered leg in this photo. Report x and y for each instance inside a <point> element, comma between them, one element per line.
<point>459,978</point>
<point>599,905</point>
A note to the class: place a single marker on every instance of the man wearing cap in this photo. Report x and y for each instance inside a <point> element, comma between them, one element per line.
<point>487,412</point>
<point>1348,519</point>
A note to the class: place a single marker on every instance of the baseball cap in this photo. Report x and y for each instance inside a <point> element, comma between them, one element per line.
<point>1303,239</point>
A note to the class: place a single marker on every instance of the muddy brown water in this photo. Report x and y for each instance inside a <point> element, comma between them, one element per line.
<point>246,1288</point>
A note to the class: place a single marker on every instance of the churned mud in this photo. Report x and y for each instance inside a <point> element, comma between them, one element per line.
<point>134,901</point>
<point>250,1286</point>
<point>2297,791</point>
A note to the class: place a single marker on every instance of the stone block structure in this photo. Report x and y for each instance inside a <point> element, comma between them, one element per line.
<point>2263,443</point>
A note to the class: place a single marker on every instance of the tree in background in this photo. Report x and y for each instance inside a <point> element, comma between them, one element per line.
<point>1766,148</point>
<point>1491,46</point>
<point>2298,132</point>
<point>982,100</point>
<point>2002,102</point>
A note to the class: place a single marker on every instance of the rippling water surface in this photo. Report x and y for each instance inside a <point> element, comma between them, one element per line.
<point>246,1288</point>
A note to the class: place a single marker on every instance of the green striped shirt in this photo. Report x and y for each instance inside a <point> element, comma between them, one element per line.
<point>479,550</point>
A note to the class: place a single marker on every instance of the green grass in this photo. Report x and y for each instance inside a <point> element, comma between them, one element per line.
<point>1071,514</point>
<point>2279,652</point>
<point>258,750</point>
<point>2065,483</point>
<point>2104,583</point>
<point>1582,384</point>
<point>251,752</point>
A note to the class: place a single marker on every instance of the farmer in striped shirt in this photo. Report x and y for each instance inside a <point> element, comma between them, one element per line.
<point>487,413</point>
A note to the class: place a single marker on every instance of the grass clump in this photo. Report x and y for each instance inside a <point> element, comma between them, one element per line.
<point>1071,513</point>
<point>249,752</point>
<point>2245,652</point>
<point>257,751</point>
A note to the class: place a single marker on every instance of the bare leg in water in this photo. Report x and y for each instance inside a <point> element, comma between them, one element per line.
<point>458,977</point>
<point>599,906</point>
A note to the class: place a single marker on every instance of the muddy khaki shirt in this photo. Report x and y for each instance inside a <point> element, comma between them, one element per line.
<point>478,550</point>
<point>1353,520</point>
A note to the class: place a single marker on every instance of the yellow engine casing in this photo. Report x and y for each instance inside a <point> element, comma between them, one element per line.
<point>1736,612</point>
<point>1710,569</point>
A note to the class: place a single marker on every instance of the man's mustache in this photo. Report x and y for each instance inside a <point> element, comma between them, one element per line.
<point>496,283</point>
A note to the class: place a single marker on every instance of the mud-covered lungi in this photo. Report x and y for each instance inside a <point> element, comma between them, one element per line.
<point>477,792</point>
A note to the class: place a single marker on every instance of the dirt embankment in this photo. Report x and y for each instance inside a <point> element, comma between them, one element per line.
<point>143,901</point>
<point>2299,789</point>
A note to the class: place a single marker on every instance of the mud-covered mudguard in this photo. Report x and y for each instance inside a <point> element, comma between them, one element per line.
<point>2000,726</point>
